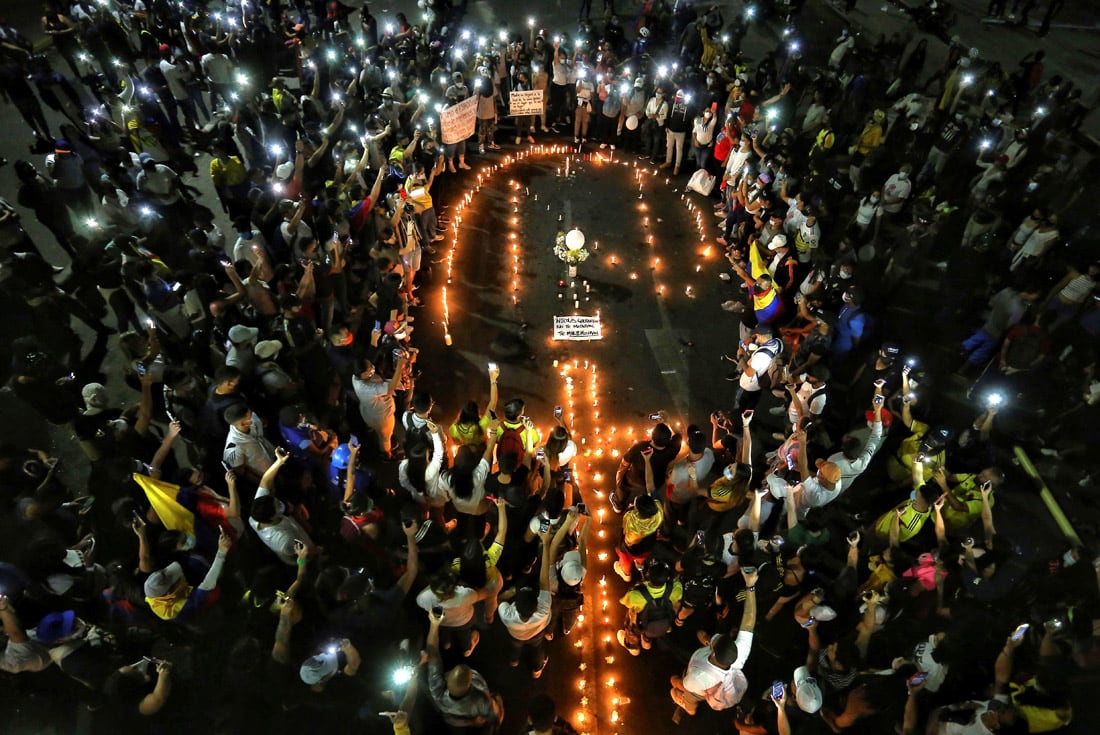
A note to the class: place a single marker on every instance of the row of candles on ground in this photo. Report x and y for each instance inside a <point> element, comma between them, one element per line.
<point>486,174</point>
<point>598,698</point>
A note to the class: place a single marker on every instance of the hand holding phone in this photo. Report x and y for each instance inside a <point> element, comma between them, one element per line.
<point>1020,632</point>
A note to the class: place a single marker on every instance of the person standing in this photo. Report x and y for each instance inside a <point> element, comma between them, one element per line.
<point>461,695</point>
<point>376,401</point>
<point>527,615</point>
<point>656,112</point>
<point>714,674</point>
<point>677,125</point>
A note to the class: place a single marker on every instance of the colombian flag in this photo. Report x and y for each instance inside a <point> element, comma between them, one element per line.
<point>163,497</point>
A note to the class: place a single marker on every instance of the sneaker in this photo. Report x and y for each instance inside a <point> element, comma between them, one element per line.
<point>620,571</point>
<point>475,638</point>
<point>576,141</point>
<point>538,671</point>
<point>620,636</point>
<point>584,140</point>
<point>614,500</point>
<point>481,149</point>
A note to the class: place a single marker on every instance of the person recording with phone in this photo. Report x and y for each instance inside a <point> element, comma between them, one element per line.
<point>461,694</point>
<point>663,446</point>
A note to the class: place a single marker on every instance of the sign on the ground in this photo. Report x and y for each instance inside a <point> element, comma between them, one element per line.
<point>577,328</point>
<point>459,122</point>
<point>527,102</point>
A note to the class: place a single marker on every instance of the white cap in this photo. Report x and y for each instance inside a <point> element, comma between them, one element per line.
<point>777,242</point>
<point>822,613</point>
<point>284,170</point>
<point>571,570</point>
<point>807,692</point>
<point>267,349</point>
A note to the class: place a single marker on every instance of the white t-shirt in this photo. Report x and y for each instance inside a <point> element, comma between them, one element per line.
<point>937,672</point>
<point>678,479</point>
<point>280,537</point>
<point>375,399</point>
<point>177,75</point>
<point>218,68</point>
<point>760,361</point>
<point>975,726</point>
<point>895,193</point>
<point>457,611</point>
<point>720,688</point>
<point>525,630</point>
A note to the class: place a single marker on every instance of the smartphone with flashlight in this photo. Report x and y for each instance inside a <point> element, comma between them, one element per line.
<point>809,621</point>
<point>778,689</point>
<point>655,417</point>
<point>918,678</point>
<point>492,366</point>
<point>1020,632</point>
<point>540,453</point>
<point>140,368</point>
<point>557,412</point>
<point>226,467</point>
<point>582,509</point>
<point>544,524</point>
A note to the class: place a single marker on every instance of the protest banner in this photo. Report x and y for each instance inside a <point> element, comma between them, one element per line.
<point>577,328</point>
<point>459,122</point>
<point>528,102</point>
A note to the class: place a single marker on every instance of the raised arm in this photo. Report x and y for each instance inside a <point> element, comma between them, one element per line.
<point>494,375</point>
<point>233,510</point>
<point>165,448</point>
<point>268,479</point>
<point>145,559</point>
<point>748,616</point>
<point>288,611</point>
<point>412,559</point>
<point>502,521</point>
<point>353,458</point>
<point>987,514</point>
<point>544,565</point>
<point>154,702</point>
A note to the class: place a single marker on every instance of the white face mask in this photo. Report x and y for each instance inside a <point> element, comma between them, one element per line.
<point>844,275</point>
<point>1068,559</point>
<point>902,175</point>
<point>873,200</point>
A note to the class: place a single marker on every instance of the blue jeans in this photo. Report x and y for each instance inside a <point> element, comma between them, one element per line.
<point>980,347</point>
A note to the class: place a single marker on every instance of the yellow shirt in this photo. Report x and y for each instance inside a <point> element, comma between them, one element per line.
<point>636,601</point>
<point>900,467</point>
<point>467,434</point>
<point>636,528</point>
<point>969,494</point>
<point>230,172</point>
<point>912,521</point>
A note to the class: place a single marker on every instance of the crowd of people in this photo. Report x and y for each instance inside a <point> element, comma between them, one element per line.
<point>243,550</point>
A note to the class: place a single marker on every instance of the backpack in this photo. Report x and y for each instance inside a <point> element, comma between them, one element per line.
<point>511,440</point>
<point>699,587</point>
<point>771,376</point>
<point>655,620</point>
<point>415,434</point>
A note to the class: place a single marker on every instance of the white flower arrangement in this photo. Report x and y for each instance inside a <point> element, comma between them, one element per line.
<point>565,255</point>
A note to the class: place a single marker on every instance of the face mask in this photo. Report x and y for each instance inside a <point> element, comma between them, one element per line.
<point>902,175</point>
<point>874,200</point>
<point>188,543</point>
<point>1068,560</point>
<point>844,276</point>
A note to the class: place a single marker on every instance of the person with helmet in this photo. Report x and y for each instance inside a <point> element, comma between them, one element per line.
<point>346,477</point>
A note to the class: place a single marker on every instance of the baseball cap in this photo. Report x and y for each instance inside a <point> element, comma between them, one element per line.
<point>823,613</point>
<point>829,470</point>
<point>267,349</point>
<point>95,398</point>
<point>239,333</point>
<point>317,667</point>
<point>808,693</point>
<point>779,241</point>
<point>55,626</point>
<point>163,581</point>
<point>284,170</point>
<point>571,569</point>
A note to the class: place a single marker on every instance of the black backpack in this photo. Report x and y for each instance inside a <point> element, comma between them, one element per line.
<point>655,619</point>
